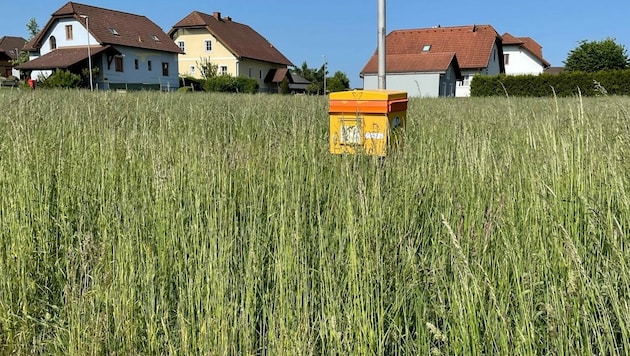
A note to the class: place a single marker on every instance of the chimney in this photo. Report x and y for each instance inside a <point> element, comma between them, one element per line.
<point>228,19</point>
<point>217,15</point>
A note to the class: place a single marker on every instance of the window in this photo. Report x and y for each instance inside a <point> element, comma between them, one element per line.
<point>69,32</point>
<point>223,70</point>
<point>182,46</point>
<point>119,63</point>
<point>150,65</point>
<point>165,69</point>
<point>249,72</point>
<point>506,58</point>
<point>426,48</point>
<point>191,70</point>
<point>208,44</point>
<point>260,74</point>
<point>53,43</point>
<point>155,38</point>
<point>136,64</point>
<point>113,31</point>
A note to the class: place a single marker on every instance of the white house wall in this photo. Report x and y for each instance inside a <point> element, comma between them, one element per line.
<point>493,68</point>
<point>521,61</point>
<point>416,85</point>
<point>79,38</point>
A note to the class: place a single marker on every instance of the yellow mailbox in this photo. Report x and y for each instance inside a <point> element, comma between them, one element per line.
<point>369,121</point>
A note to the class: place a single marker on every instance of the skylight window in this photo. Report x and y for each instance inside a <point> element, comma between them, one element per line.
<point>113,31</point>
<point>426,48</point>
<point>155,38</point>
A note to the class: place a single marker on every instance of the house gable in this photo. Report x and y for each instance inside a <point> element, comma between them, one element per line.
<point>474,45</point>
<point>12,45</point>
<point>125,50</point>
<point>241,40</point>
<point>110,27</point>
<point>532,49</point>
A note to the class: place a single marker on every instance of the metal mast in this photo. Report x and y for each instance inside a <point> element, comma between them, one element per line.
<point>381,45</point>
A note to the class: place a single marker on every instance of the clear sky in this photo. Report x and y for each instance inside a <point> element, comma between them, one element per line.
<point>344,32</point>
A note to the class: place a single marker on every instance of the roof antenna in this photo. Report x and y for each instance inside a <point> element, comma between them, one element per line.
<point>381,45</point>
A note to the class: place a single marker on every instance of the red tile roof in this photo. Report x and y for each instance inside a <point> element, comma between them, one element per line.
<point>62,58</point>
<point>10,43</point>
<point>472,44</point>
<point>239,38</point>
<point>111,27</point>
<point>528,43</point>
<point>418,62</point>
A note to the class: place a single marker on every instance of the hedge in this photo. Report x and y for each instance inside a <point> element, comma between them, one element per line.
<point>614,82</point>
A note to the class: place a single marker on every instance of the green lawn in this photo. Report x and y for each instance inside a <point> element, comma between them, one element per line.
<point>154,223</point>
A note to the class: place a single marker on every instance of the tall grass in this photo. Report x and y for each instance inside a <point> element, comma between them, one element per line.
<point>150,223</point>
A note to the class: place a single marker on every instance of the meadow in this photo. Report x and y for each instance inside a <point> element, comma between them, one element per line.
<point>197,224</point>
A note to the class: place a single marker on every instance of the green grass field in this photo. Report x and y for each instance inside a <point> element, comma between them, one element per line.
<point>152,223</point>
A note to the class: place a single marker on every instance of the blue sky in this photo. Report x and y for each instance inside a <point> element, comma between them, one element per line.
<point>345,32</point>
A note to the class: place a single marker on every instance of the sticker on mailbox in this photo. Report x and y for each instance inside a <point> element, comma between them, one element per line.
<point>350,135</point>
<point>374,136</point>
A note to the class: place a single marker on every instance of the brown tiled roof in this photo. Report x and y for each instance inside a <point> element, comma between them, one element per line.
<point>10,43</point>
<point>554,70</point>
<point>472,44</point>
<point>276,75</point>
<point>62,58</point>
<point>111,27</point>
<point>239,38</point>
<point>414,62</point>
<point>528,43</point>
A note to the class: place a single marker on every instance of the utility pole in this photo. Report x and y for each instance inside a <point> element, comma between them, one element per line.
<point>381,45</point>
<point>87,27</point>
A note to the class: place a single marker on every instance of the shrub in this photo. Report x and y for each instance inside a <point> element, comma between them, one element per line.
<point>197,84</point>
<point>614,82</point>
<point>62,79</point>
<point>230,84</point>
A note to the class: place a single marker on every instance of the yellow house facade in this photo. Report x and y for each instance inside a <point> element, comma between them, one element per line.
<point>236,49</point>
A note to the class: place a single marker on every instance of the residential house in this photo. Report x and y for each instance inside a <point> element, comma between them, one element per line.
<point>127,51</point>
<point>236,49</point>
<point>477,49</point>
<point>10,47</point>
<point>423,74</point>
<point>523,55</point>
<point>296,83</point>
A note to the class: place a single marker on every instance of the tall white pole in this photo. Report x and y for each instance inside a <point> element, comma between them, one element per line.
<point>87,27</point>
<point>381,45</point>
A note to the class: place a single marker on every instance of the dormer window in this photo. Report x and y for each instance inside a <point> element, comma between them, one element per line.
<point>426,48</point>
<point>113,31</point>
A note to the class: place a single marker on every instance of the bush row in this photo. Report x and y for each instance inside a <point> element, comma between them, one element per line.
<point>614,82</point>
<point>221,83</point>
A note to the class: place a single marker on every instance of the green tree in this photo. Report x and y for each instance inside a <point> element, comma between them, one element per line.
<point>33,30</point>
<point>207,68</point>
<point>284,88</point>
<point>316,76</point>
<point>338,82</point>
<point>593,56</point>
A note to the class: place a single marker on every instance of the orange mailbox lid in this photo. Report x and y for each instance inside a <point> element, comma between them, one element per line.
<point>368,101</point>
